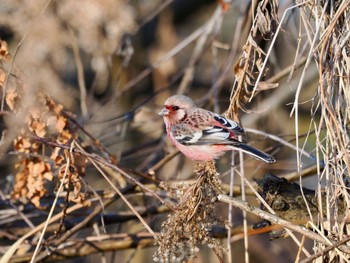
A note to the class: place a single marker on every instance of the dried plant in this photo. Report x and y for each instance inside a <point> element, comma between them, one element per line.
<point>193,219</point>
<point>91,167</point>
<point>250,67</point>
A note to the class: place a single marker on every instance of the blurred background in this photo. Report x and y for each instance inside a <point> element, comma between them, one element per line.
<point>111,64</point>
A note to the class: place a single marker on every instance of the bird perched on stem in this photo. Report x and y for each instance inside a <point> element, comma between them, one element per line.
<point>203,135</point>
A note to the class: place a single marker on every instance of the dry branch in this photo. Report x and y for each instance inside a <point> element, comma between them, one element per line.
<point>91,245</point>
<point>112,118</point>
<point>277,220</point>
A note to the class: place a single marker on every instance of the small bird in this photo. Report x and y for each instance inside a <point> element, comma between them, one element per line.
<point>203,135</point>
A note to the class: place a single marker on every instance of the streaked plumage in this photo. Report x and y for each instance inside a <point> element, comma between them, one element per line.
<point>201,134</point>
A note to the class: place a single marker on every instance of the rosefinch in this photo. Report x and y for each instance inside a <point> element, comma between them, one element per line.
<point>202,135</point>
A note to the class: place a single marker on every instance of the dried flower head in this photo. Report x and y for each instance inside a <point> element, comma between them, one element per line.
<point>192,222</point>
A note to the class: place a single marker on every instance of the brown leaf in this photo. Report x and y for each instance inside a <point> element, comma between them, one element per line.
<point>48,176</point>
<point>38,127</point>
<point>11,98</point>
<point>55,153</point>
<point>36,200</point>
<point>263,21</point>
<point>53,106</point>
<point>64,137</point>
<point>58,160</point>
<point>238,70</point>
<point>4,52</point>
<point>38,168</point>
<point>61,124</point>
<point>267,17</point>
<point>22,144</point>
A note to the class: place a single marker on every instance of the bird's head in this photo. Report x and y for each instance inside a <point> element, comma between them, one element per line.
<point>176,109</point>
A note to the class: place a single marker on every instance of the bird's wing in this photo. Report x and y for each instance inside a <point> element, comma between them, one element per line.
<point>225,123</point>
<point>202,127</point>
<point>208,135</point>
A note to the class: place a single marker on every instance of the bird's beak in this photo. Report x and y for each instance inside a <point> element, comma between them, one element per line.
<point>164,112</point>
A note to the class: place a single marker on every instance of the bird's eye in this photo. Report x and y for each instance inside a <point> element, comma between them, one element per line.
<point>175,108</point>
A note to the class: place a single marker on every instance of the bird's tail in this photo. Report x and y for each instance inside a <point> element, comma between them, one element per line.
<point>267,158</point>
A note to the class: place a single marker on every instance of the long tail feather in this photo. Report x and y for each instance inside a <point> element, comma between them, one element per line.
<point>267,158</point>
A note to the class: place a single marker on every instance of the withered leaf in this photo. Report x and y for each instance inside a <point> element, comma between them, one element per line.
<point>263,21</point>
<point>61,124</point>
<point>11,98</point>
<point>36,200</point>
<point>4,52</point>
<point>38,127</point>
<point>22,144</point>
<point>48,176</point>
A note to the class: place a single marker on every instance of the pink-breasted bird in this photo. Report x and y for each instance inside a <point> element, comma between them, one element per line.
<point>203,135</point>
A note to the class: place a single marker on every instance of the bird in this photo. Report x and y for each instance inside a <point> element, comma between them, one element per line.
<point>202,135</point>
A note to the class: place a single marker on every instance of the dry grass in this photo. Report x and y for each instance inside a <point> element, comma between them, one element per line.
<point>84,152</point>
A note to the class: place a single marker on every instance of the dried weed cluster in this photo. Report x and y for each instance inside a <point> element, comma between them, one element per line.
<point>59,41</point>
<point>190,224</point>
<point>250,69</point>
<point>45,120</point>
<point>330,50</point>
<point>36,79</point>
<point>36,163</point>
